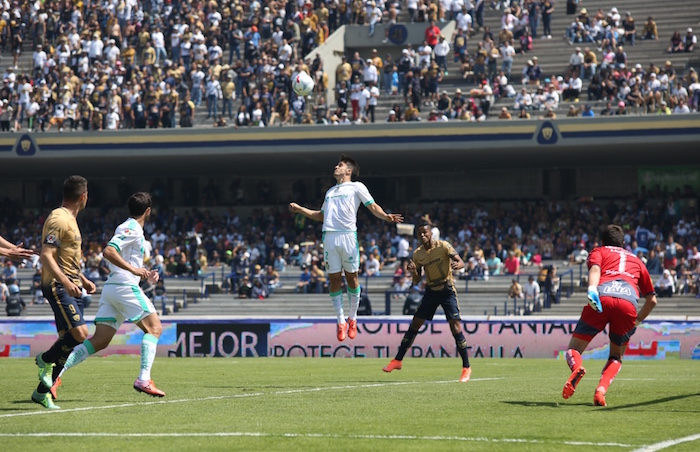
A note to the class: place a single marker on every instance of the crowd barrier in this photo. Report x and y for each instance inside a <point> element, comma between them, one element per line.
<point>378,337</point>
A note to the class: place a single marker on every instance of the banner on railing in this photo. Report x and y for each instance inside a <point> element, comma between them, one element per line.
<point>376,338</point>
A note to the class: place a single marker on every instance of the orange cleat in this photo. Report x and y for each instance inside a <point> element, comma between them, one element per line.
<point>570,386</point>
<point>148,387</point>
<point>341,331</point>
<point>55,386</point>
<point>395,364</point>
<point>599,399</point>
<point>352,328</point>
<point>466,374</point>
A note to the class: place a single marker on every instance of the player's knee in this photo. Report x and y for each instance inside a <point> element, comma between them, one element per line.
<point>80,334</point>
<point>155,330</point>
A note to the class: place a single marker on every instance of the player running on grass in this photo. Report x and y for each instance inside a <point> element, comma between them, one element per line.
<point>615,277</point>
<point>439,260</point>
<point>122,298</point>
<point>62,283</point>
<point>341,251</point>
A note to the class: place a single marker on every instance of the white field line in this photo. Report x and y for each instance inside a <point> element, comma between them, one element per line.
<point>668,443</point>
<point>231,396</point>
<point>305,435</point>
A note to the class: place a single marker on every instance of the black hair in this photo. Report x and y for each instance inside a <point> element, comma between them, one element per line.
<point>74,187</point>
<point>613,236</point>
<point>138,203</point>
<point>352,164</point>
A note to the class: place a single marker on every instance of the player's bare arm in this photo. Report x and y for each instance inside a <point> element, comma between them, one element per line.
<point>649,305</point>
<point>13,252</point>
<point>457,262</point>
<point>89,286</point>
<point>313,214</point>
<point>378,212</point>
<point>112,255</point>
<point>416,271</point>
<point>48,259</point>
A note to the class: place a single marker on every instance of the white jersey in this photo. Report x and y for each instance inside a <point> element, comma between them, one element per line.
<point>341,204</point>
<point>129,241</point>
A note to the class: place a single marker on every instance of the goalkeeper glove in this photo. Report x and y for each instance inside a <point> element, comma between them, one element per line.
<point>594,299</point>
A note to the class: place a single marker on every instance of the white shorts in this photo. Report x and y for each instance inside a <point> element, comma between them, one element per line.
<point>341,251</point>
<point>120,302</point>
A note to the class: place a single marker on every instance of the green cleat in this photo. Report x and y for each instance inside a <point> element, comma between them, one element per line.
<point>45,371</point>
<point>44,400</point>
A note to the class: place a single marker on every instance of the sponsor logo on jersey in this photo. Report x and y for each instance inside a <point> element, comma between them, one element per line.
<point>617,288</point>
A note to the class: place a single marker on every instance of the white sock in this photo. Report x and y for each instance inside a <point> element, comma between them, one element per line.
<point>337,300</point>
<point>354,295</point>
<point>148,354</point>
<point>80,353</point>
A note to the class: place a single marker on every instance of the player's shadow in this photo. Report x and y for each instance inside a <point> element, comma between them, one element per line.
<point>527,403</point>
<point>656,401</point>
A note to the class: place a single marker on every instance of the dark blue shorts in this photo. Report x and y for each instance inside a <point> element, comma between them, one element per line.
<point>447,298</point>
<point>67,310</point>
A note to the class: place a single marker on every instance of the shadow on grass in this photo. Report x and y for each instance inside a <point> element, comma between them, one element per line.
<point>655,401</point>
<point>536,404</point>
<point>621,407</point>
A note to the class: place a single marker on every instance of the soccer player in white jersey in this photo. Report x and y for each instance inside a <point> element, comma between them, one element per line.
<point>122,298</point>
<point>341,250</point>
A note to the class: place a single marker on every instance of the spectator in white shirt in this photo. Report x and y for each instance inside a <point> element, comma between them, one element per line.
<point>370,75</point>
<point>442,48</point>
<point>681,108</point>
<point>159,44</point>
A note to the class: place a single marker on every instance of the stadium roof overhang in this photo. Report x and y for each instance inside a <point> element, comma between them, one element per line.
<point>387,149</point>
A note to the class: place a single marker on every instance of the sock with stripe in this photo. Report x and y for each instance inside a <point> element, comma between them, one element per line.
<point>462,348</point>
<point>612,367</point>
<point>406,342</point>
<point>354,295</point>
<point>57,354</point>
<point>79,354</point>
<point>337,300</point>
<point>573,359</point>
<point>148,354</point>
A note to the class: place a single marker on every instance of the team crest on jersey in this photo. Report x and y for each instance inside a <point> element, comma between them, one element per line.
<point>50,239</point>
<point>76,317</point>
<point>126,231</point>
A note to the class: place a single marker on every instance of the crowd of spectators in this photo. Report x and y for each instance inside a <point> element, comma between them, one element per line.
<point>662,228</point>
<point>154,63</point>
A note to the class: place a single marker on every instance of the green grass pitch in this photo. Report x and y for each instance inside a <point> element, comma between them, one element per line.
<point>301,404</point>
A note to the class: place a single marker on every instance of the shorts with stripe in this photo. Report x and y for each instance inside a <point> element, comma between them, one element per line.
<point>445,297</point>
<point>67,309</point>
<point>618,313</point>
<point>120,302</point>
<point>341,251</point>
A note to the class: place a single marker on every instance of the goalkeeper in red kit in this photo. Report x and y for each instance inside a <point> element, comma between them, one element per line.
<point>616,279</point>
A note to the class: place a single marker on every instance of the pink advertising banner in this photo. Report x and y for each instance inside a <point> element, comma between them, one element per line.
<point>378,337</point>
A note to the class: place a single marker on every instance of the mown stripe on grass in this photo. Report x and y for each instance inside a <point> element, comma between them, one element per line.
<point>668,443</point>
<point>234,396</point>
<point>307,435</point>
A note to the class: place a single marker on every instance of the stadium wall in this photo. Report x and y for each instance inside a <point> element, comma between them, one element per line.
<point>488,337</point>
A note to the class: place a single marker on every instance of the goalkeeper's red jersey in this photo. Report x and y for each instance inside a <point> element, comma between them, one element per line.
<point>622,274</point>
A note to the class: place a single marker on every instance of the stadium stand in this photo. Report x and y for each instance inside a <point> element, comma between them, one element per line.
<point>163,64</point>
<point>541,234</point>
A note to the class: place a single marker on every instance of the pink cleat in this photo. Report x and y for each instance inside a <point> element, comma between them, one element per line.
<point>148,387</point>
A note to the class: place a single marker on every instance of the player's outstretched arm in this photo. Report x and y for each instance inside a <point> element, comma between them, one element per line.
<point>313,214</point>
<point>378,212</point>
<point>13,252</point>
